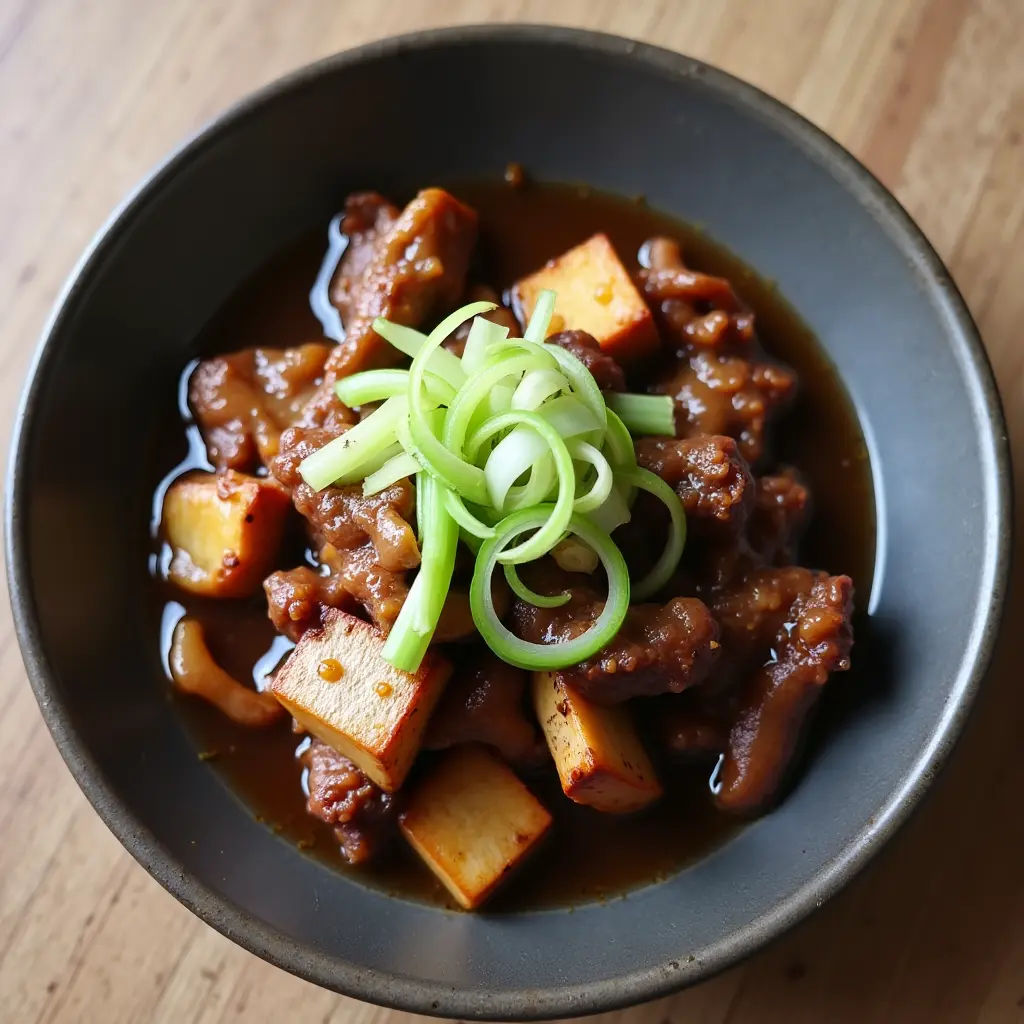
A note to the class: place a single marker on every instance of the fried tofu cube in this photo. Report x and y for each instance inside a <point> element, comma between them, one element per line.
<point>339,687</point>
<point>600,760</point>
<point>224,531</point>
<point>473,822</point>
<point>596,295</point>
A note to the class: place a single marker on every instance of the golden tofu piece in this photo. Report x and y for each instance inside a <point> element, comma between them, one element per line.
<point>472,821</point>
<point>596,295</point>
<point>599,757</point>
<point>225,530</point>
<point>338,686</point>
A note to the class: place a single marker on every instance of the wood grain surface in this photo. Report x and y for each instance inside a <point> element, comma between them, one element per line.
<point>929,93</point>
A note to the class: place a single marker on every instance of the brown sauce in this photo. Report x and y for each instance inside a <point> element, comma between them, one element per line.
<point>589,855</point>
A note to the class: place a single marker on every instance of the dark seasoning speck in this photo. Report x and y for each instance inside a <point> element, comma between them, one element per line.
<point>522,226</point>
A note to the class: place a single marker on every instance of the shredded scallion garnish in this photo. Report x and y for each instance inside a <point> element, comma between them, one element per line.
<point>516,451</point>
<point>528,655</point>
<point>645,414</point>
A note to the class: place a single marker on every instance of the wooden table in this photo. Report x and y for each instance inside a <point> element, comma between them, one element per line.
<point>929,93</point>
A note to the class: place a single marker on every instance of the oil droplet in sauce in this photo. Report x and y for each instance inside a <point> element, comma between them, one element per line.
<point>384,689</point>
<point>603,293</point>
<point>330,670</point>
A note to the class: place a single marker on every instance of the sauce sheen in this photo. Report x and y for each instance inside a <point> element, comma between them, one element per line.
<point>589,855</point>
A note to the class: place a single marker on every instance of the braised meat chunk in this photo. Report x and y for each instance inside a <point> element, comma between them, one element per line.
<point>603,367</point>
<point>400,268</point>
<point>366,544</point>
<point>814,640</point>
<point>484,703</point>
<point>665,278</point>
<point>367,219</point>
<point>658,649</point>
<point>709,475</point>
<point>363,815</point>
<point>298,443</point>
<point>243,401</point>
<point>720,394</point>
<point>687,729</point>
<point>358,572</point>
<point>297,597</point>
<point>349,578</point>
<point>342,516</point>
<point>752,610</point>
<point>781,510</point>
<point>721,381</point>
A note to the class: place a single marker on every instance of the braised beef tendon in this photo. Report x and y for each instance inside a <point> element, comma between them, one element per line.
<point>814,641</point>
<point>367,653</point>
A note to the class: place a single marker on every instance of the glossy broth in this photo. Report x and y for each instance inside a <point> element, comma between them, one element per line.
<point>588,855</point>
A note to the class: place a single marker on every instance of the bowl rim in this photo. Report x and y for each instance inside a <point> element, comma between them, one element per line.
<point>419,996</point>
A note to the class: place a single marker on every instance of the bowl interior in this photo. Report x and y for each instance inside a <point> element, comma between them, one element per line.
<point>623,118</point>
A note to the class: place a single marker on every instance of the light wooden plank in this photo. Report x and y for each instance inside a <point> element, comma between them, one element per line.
<point>929,92</point>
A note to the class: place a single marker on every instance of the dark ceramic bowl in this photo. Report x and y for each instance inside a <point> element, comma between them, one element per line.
<point>456,105</point>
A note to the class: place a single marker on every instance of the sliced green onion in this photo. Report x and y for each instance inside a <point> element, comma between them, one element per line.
<point>467,521</point>
<point>551,532</point>
<point>482,335</point>
<point>515,454</point>
<point>453,321</point>
<point>524,593</point>
<point>406,339</point>
<point>598,493</point>
<point>375,463</point>
<point>512,346</point>
<point>568,415</point>
<point>410,636</point>
<point>344,459</point>
<point>565,415</point>
<point>409,342</point>
<point>536,387</point>
<point>544,308</point>
<point>519,427</point>
<point>583,384</point>
<point>396,468</point>
<point>522,653</point>
<point>499,400</point>
<point>644,414</point>
<point>621,452</point>
<point>613,513</point>
<point>436,457</point>
<point>474,392</point>
<point>540,486</point>
<point>377,385</point>
<point>669,559</point>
